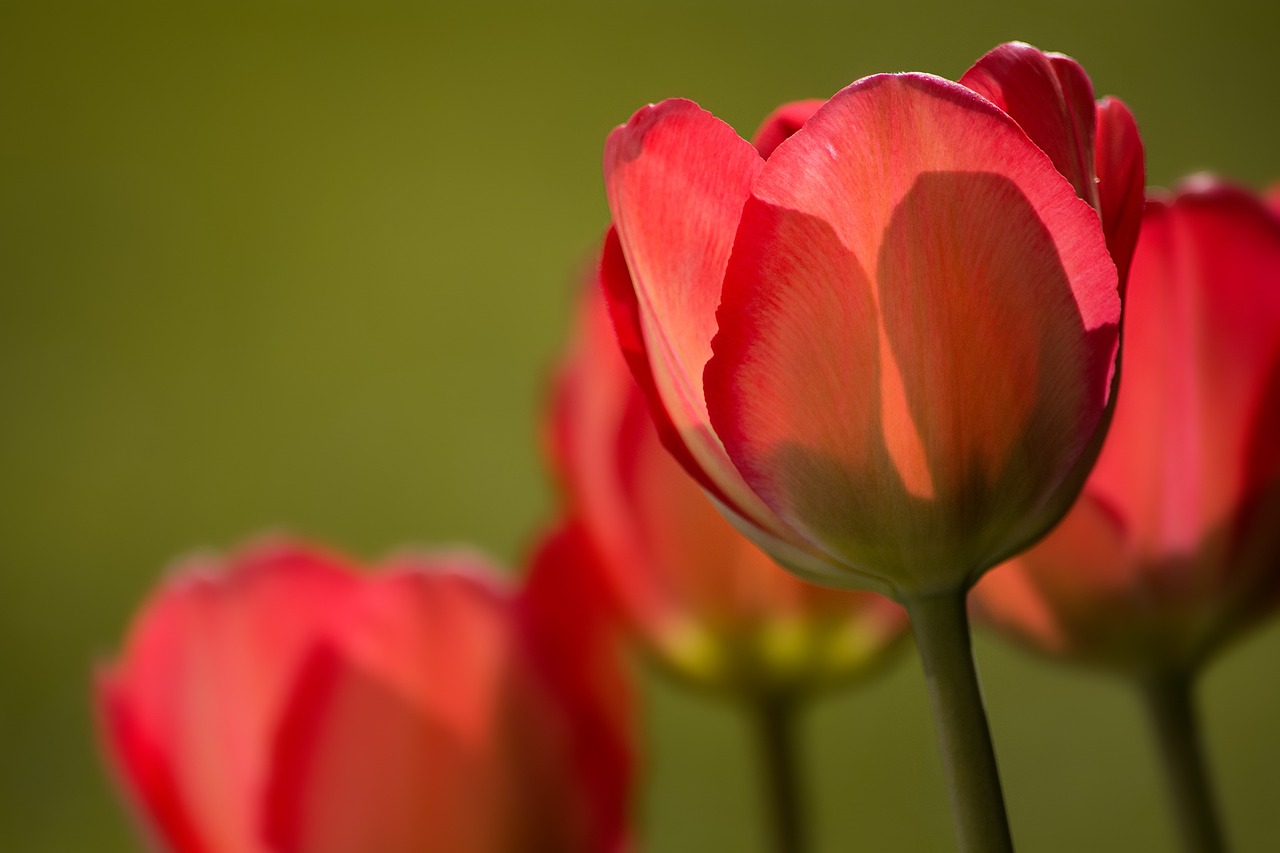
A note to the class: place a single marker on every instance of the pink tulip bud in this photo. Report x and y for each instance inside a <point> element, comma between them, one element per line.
<point>1174,546</point>
<point>282,702</point>
<point>887,350</point>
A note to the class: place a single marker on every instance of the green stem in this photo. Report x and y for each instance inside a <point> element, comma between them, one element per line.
<point>775,726</point>
<point>1173,717</point>
<point>941,627</point>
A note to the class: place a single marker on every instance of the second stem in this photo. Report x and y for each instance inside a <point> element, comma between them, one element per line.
<point>775,725</point>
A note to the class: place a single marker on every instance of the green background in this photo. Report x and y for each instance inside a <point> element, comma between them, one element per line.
<point>303,266</point>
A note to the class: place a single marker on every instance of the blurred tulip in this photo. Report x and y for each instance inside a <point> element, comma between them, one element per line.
<point>189,710</point>
<point>1174,546</point>
<point>888,351</point>
<point>716,610</point>
<point>281,702</point>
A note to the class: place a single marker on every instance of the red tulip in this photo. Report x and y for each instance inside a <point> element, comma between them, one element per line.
<point>1174,545</point>
<point>716,610</point>
<point>886,350</point>
<point>189,710</point>
<point>427,708</point>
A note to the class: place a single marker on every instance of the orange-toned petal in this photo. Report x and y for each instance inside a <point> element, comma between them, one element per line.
<point>1050,96</point>
<point>1121,168</point>
<point>191,703</point>
<point>917,332</point>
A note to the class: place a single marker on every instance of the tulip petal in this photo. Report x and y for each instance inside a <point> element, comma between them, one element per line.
<point>920,316</point>
<point>1207,266</point>
<point>697,449</point>
<point>780,124</point>
<point>1121,169</point>
<point>197,761</point>
<point>1051,98</point>
<point>569,627</point>
<point>676,178</point>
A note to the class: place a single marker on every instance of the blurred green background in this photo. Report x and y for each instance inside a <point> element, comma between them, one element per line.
<point>302,266</point>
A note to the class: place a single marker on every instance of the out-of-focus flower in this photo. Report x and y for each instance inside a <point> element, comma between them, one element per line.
<point>280,702</point>
<point>716,610</point>
<point>886,351</point>
<point>1174,545</point>
<point>189,710</point>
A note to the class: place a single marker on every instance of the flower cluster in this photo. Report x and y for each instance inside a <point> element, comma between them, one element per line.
<point>820,385</point>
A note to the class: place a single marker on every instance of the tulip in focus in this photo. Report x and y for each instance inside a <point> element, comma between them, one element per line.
<point>889,350</point>
<point>281,702</point>
<point>886,350</point>
<point>1173,549</point>
<point>714,609</point>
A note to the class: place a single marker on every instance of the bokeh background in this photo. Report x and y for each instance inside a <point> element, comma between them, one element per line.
<point>303,266</point>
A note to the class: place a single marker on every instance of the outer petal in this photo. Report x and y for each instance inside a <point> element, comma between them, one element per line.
<point>917,331</point>
<point>1050,96</point>
<point>1121,168</point>
<point>1192,487</point>
<point>1273,199</point>
<point>676,178</point>
<point>698,451</point>
<point>189,707</point>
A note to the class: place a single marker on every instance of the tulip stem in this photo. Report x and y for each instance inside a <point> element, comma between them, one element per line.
<point>941,627</point>
<point>776,728</point>
<point>1173,717</point>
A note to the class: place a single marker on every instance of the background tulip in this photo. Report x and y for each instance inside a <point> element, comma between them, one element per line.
<point>1173,549</point>
<point>425,707</point>
<point>188,712</point>
<point>889,350</point>
<point>447,714</point>
<point>711,607</point>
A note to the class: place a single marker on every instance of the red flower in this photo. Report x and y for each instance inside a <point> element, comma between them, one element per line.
<point>281,702</point>
<point>1174,545</point>
<point>714,608</point>
<point>887,350</point>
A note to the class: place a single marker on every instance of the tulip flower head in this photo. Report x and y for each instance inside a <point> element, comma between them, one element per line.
<point>714,609</point>
<point>1174,546</point>
<point>887,350</point>
<point>188,711</point>
<point>282,702</point>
